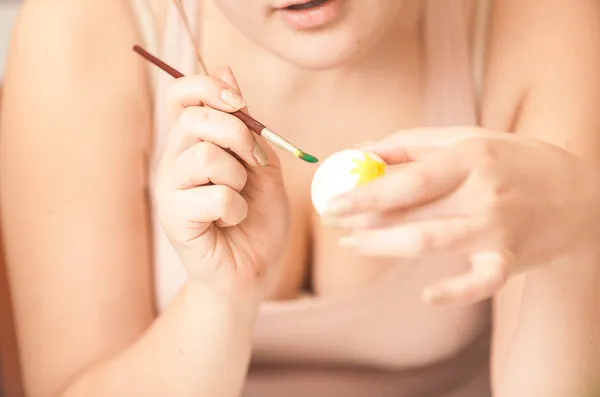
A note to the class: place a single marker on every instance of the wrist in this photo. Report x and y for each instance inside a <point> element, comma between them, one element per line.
<point>242,304</point>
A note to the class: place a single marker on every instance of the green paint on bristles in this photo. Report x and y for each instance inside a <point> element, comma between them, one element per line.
<point>308,157</point>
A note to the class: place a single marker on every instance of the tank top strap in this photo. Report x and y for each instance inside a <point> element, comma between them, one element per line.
<point>148,32</point>
<point>455,33</point>
<point>480,41</point>
<point>178,50</point>
<point>174,47</point>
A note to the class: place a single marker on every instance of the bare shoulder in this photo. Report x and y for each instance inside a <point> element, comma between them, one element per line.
<point>79,39</point>
<point>542,67</point>
<point>79,51</point>
<point>74,133</point>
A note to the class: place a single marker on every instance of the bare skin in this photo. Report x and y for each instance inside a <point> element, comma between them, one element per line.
<point>74,204</point>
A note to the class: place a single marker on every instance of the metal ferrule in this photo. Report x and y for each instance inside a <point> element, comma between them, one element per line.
<point>278,141</point>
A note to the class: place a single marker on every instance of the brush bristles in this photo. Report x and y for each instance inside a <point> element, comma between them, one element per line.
<point>309,158</point>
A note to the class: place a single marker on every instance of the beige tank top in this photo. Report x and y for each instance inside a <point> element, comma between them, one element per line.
<point>358,327</point>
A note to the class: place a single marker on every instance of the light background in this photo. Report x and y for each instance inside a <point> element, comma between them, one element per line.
<point>8,13</point>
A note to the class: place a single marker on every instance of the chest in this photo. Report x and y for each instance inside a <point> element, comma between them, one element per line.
<point>328,298</point>
<point>323,121</point>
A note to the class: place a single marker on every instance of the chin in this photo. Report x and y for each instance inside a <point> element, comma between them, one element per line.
<point>317,60</point>
<point>322,51</point>
<point>328,34</point>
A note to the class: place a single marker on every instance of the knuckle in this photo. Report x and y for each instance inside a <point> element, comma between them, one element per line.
<point>243,210</point>
<point>226,197</point>
<point>481,149</point>
<point>192,169</point>
<point>496,193</point>
<point>203,152</point>
<point>419,180</point>
<point>492,189</point>
<point>242,179</point>
<point>192,116</point>
<point>182,177</point>
<point>424,240</point>
<point>231,205</point>
<point>189,91</point>
<point>234,128</point>
<point>214,116</point>
<point>229,124</point>
<point>243,133</point>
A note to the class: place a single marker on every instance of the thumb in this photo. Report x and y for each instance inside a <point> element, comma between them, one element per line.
<point>403,146</point>
<point>414,144</point>
<point>225,74</point>
<point>394,154</point>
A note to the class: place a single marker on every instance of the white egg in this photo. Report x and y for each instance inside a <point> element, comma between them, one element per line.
<point>341,172</point>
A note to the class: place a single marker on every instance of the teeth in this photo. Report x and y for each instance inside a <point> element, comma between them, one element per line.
<point>307,5</point>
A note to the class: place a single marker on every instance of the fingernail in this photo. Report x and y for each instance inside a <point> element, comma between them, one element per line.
<point>232,98</point>
<point>259,155</point>
<point>348,241</point>
<point>337,207</point>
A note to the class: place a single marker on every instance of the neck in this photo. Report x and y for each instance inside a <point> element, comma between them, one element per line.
<point>396,56</point>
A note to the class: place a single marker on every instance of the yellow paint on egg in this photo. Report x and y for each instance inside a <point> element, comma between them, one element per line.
<point>368,169</point>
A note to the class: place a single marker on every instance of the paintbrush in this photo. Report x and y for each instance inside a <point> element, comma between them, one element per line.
<point>254,126</point>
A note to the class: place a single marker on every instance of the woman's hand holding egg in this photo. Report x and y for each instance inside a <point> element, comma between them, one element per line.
<point>506,202</point>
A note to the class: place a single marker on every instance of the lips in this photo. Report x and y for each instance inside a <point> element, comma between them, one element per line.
<point>299,5</point>
<point>308,14</point>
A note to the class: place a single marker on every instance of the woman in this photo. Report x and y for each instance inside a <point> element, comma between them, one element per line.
<point>243,265</point>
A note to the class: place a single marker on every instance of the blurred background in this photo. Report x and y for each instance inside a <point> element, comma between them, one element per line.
<point>8,11</point>
<point>10,385</point>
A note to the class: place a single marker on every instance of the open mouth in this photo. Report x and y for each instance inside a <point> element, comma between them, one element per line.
<point>307,5</point>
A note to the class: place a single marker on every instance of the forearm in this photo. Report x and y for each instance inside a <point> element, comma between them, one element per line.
<point>555,348</point>
<point>200,346</point>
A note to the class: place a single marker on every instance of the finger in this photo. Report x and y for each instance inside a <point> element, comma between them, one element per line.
<point>206,163</point>
<point>226,75</point>
<point>416,239</point>
<point>200,89</point>
<point>489,271</point>
<point>200,206</point>
<point>382,220</point>
<point>365,221</point>
<point>410,185</point>
<point>414,144</point>
<point>394,155</point>
<point>210,125</point>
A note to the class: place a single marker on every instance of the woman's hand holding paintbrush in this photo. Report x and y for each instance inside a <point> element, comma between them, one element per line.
<point>224,211</point>
<point>254,125</point>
